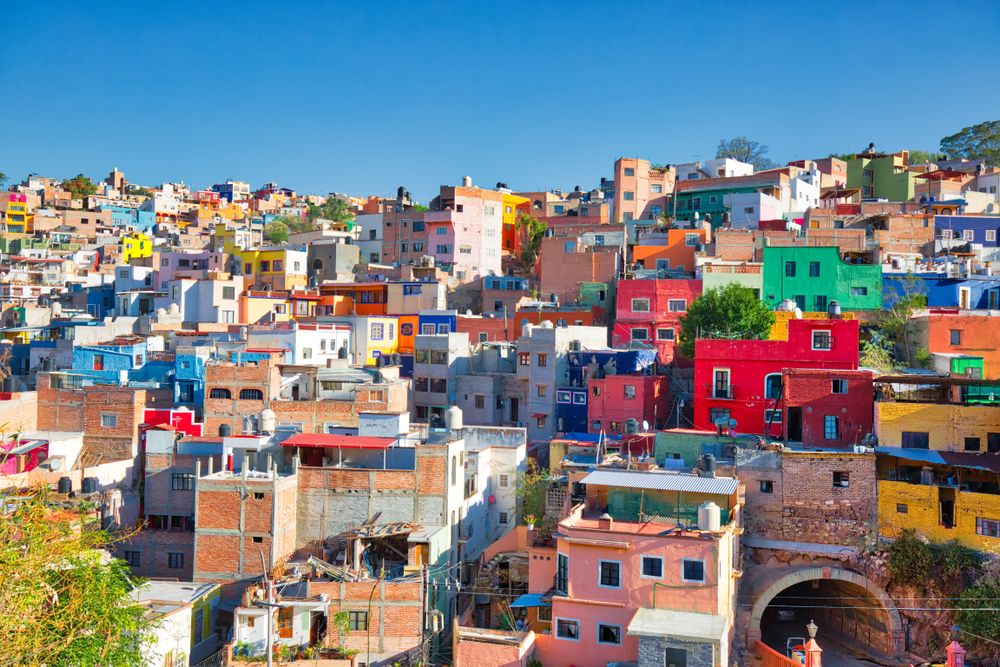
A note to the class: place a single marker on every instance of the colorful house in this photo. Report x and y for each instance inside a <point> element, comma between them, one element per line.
<point>374,337</point>
<point>276,268</point>
<point>136,245</point>
<point>882,175</point>
<point>17,217</point>
<point>513,206</point>
<point>967,332</point>
<point>814,277</point>
<point>699,198</point>
<point>616,399</point>
<point>649,312</point>
<point>579,405</point>
<point>672,250</point>
<point>941,290</point>
<point>738,383</point>
<point>367,298</point>
<point>827,408</point>
<point>261,307</point>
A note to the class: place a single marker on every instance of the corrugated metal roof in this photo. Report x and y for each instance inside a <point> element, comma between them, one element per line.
<point>662,481</point>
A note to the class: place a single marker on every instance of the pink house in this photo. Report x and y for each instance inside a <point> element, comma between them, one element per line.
<point>22,455</point>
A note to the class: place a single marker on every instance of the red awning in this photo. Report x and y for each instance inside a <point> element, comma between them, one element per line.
<point>335,440</point>
<point>538,415</point>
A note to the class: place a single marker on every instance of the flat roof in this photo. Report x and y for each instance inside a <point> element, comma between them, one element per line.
<point>684,625</point>
<point>336,440</point>
<point>172,591</point>
<point>662,481</point>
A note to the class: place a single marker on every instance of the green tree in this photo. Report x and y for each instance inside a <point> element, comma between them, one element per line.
<point>532,231</point>
<point>3,179</point>
<point>745,150</point>
<point>80,186</point>
<point>732,311</point>
<point>64,601</point>
<point>920,157</point>
<point>893,321</point>
<point>145,192</point>
<point>532,485</point>
<point>333,209</point>
<point>977,142</point>
<point>277,232</point>
<point>976,616</point>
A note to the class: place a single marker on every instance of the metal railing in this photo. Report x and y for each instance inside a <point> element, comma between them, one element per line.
<point>768,657</point>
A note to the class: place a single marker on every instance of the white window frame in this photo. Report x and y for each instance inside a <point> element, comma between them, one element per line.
<point>729,382</point>
<point>642,567</point>
<point>771,398</point>
<point>555,633</point>
<point>673,334</point>
<point>112,418</point>
<point>704,570</point>
<point>646,301</point>
<point>597,634</point>
<point>812,341</point>
<point>991,235</point>
<point>968,235</point>
<point>614,562</point>
<point>631,333</point>
<point>671,302</point>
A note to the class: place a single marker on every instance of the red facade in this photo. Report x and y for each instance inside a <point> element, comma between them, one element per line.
<point>742,379</point>
<point>614,399</point>
<point>650,311</point>
<point>827,408</point>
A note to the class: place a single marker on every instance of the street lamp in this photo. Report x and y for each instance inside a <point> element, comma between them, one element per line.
<point>811,629</point>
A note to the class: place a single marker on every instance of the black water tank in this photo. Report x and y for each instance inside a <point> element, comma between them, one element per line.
<point>65,485</point>
<point>90,485</point>
<point>224,430</point>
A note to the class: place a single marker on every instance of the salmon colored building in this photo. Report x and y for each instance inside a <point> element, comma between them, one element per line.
<point>368,298</point>
<point>675,253</point>
<point>973,333</point>
<point>649,311</point>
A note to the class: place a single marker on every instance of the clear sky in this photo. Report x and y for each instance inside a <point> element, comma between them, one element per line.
<point>361,97</point>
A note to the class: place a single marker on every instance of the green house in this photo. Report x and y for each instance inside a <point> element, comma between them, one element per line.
<point>815,276</point>
<point>882,175</point>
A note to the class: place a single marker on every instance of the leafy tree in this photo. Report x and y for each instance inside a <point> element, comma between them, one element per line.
<point>532,485</point>
<point>65,601</point>
<point>532,232</point>
<point>745,150</point>
<point>333,209</point>
<point>277,232</point>
<point>3,178</point>
<point>295,224</point>
<point>419,208</point>
<point>894,319</point>
<point>80,186</point>
<point>145,192</point>
<point>976,616</point>
<point>920,157</point>
<point>977,142</point>
<point>875,353</point>
<point>732,311</point>
<point>842,156</point>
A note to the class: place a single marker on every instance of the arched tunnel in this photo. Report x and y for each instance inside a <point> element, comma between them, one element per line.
<point>849,610</point>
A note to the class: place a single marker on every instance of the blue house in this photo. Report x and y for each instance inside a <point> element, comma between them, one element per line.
<point>437,322</point>
<point>130,218</point>
<point>572,398</point>
<point>189,381</point>
<point>981,229</point>
<point>974,292</point>
<point>110,363</point>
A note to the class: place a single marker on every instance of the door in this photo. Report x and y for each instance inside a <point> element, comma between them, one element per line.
<point>947,504</point>
<point>964,298</point>
<point>794,424</point>
<point>514,410</point>
<point>675,657</point>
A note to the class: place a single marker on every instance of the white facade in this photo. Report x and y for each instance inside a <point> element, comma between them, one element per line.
<point>172,639</point>
<point>215,301</point>
<point>803,192</point>
<point>369,237</point>
<point>717,168</point>
<point>305,344</point>
<point>494,457</point>
<point>747,209</point>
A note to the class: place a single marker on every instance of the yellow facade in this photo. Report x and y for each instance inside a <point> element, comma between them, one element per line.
<point>779,330</point>
<point>904,505</point>
<point>946,425</point>
<point>136,245</point>
<point>264,308</point>
<point>17,218</point>
<point>280,268</point>
<point>232,212</point>
<point>378,335</point>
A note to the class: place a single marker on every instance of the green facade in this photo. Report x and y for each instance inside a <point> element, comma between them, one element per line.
<point>707,202</point>
<point>881,177</point>
<point>689,445</point>
<point>813,277</point>
<point>591,295</point>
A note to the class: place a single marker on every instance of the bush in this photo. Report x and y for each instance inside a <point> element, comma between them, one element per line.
<point>910,559</point>
<point>954,560</point>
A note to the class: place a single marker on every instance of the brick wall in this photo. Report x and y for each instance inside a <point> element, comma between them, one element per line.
<point>946,425</point>
<point>264,376</point>
<point>396,614</point>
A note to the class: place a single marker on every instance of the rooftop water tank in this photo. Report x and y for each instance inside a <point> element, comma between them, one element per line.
<point>709,517</point>
<point>453,418</point>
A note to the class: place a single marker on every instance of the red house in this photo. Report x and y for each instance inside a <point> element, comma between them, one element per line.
<point>649,311</point>
<point>741,380</point>
<point>827,408</point>
<point>614,399</point>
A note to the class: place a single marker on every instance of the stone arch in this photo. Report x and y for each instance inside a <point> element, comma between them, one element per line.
<point>802,575</point>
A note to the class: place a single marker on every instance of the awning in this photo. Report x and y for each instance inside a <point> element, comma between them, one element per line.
<point>530,600</point>
<point>337,440</point>
<point>538,415</point>
<point>682,625</point>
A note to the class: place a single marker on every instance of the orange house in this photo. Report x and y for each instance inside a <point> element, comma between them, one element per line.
<point>369,298</point>
<point>962,332</point>
<point>407,333</point>
<point>677,252</point>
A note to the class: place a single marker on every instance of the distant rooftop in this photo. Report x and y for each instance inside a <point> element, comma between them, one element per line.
<point>662,481</point>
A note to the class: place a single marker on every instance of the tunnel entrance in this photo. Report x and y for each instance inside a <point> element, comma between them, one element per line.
<point>850,610</point>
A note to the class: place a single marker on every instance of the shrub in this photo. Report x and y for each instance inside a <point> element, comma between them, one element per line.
<point>910,559</point>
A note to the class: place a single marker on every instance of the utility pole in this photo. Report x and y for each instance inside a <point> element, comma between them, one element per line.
<point>268,605</point>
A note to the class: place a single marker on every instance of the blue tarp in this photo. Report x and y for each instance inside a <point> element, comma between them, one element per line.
<point>530,600</point>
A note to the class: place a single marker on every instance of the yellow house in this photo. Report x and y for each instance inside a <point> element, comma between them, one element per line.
<point>136,245</point>
<point>374,336</point>
<point>17,218</point>
<point>779,330</point>
<point>233,240</point>
<point>232,211</point>
<point>942,426</point>
<point>941,496</point>
<point>513,205</point>
<point>275,268</point>
<point>264,307</point>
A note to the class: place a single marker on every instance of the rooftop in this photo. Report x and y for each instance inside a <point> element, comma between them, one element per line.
<point>662,481</point>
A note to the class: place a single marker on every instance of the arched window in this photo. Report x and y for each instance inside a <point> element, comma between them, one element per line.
<point>772,386</point>
<point>318,264</point>
<point>454,469</point>
<point>219,392</point>
<point>251,395</point>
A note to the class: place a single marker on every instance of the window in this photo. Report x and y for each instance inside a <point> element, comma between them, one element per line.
<point>503,518</point>
<point>822,340</point>
<point>968,235</point>
<point>218,392</point>
<point>307,353</point>
<point>541,390</point>
<point>972,444</point>
<point>987,527</point>
<point>562,573</point>
<point>258,496</point>
<point>991,235</point>
<point>721,386</point>
<point>181,481</point>
<point>158,521</point>
<point>955,337</point>
<point>630,391</point>
<point>109,420</point>
<point>820,303</point>
<point>248,268</point>
<point>629,196</point>
<point>541,420</point>
<point>524,358</point>
<point>543,359</point>
<point>639,334</point>
<point>692,570</point>
<point>772,416</point>
<point>839,386</point>
<point>440,231</point>
<point>695,203</point>
<point>442,328</point>
<point>132,558</point>
<point>831,427</point>
<point>265,266</point>
<point>652,567</point>
<point>609,634</point>
<point>993,443</point>
<point>175,561</point>
<point>677,305</point>
<point>789,269</point>
<point>596,389</point>
<point>915,440</point>
<point>718,415</point>
<point>772,386</point>
<point>675,657</point>
<point>859,291</point>
<point>465,249</point>
<point>749,210</point>
<point>504,481</point>
<point>640,305</point>
<point>357,620</point>
<point>98,362</point>
<point>629,171</point>
<point>946,234</point>
<point>841,479</point>
<point>691,240</point>
<point>766,486</point>
<point>901,508</point>
<point>179,523</point>
<point>377,331</point>
<point>441,249</point>
<point>480,401</point>
<point>567,629</point>
<point>664,334</point>
<point>656,188</point>
<point>251,395</point>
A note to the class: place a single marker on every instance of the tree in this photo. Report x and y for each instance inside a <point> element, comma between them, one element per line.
<point>3,179</point>
<point>745,150</point>
<point>80,186</point>
<point>145,192</point>
<point>333,209</point>
<point>277,232</point>
<point>921,157</point>
<point>64,600</point>
<point>532,485</point>
<point>977,142</point>
<point>532,232</point>
<point>894,318</point>
<point>732,311</point>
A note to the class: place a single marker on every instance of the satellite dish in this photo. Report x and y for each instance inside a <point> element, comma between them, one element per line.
<point>645,425</point>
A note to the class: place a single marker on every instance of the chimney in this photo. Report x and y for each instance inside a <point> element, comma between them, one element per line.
<point>606,522</point>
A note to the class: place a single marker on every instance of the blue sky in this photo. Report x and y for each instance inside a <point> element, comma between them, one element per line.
<point>365,96</point>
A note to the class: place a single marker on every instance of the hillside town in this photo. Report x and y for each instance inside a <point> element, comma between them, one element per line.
<point>722,412</point>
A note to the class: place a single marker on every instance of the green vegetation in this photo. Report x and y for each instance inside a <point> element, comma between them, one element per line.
<point>942,566</point>
<point>532,231</point>
<point>3,178</point>
<point>277,232</point>
<point>333,209</point>
<point>80,186</point>
<point>732,311</point>
<point>145,192</point>
<point>65,601</point>
<point>976,142</point>
<point>532,485</point>
<point>920,157</point>
<point>745,150</point>
<point>893,321</point>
